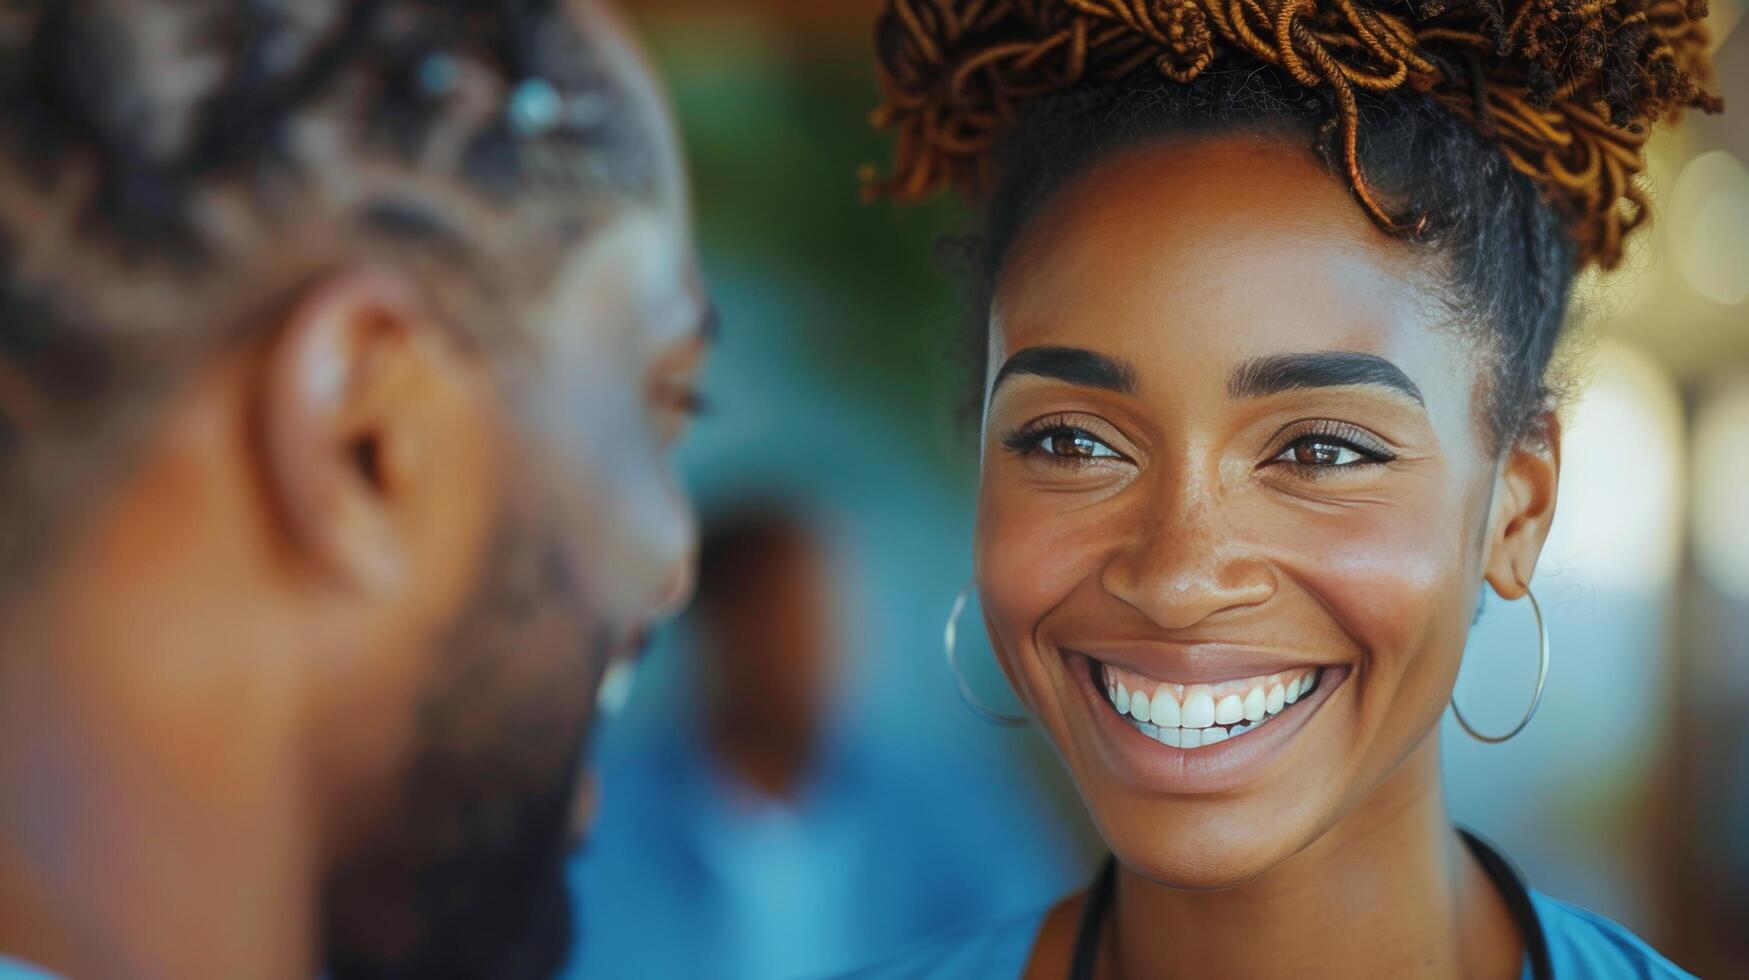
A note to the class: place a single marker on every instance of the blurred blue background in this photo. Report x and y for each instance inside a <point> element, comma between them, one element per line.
<point>837,396</point>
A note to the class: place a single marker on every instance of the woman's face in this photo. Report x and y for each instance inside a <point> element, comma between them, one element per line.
<point>1234,474</point>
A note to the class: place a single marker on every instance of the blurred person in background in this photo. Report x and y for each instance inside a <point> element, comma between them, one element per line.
<point>342,348</point>
<point>1270,295</point>
<point>770,841</point>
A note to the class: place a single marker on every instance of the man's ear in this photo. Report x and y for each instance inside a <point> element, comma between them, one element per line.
<point>1524,509</point>
<point>374,433</point>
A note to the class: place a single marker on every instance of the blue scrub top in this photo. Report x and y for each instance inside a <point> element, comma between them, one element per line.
<point>1582,945</point>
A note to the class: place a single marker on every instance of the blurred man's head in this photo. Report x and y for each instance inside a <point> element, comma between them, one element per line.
<point>765,618</point>
<point>342,345</point>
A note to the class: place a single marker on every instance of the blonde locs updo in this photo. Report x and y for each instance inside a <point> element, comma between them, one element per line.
<point>1567,90</point>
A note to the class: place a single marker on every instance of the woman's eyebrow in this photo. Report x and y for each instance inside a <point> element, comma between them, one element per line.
<point>1320,369</point>
<point>1074,365</point>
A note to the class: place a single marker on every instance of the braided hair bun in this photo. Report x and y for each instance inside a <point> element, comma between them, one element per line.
<point>1567,90</point>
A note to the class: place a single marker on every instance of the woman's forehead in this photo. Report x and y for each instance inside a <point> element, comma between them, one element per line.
<point>1213,248</point>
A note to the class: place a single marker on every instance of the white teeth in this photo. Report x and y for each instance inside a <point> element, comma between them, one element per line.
<point>1229,709</point>
<point>1199,720</point>
<point>1139,706</point>
<point>1164,709</point>
<point>1254,705</point>
<point>1199,709</point>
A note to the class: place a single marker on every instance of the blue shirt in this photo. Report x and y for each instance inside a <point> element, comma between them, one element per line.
<point>1582,945</point>
<point>687,873</point>
<point>13,969</point>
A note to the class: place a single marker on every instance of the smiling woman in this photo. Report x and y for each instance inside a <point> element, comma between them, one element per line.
<point>1269,296</point>
<point>1253,510</point>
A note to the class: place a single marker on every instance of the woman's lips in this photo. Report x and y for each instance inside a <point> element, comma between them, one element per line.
<point>1198,750</point>
<point>1195,715</point>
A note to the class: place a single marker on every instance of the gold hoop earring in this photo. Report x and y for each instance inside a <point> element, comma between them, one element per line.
<point>949,638</point>
<point>1542,676</point>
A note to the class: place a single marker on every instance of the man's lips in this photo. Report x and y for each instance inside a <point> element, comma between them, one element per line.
<point>622,666</point>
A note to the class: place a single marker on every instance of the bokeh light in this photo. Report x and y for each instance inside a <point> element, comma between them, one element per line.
<point>1618,521</point>
<point>1708,215</point>
<point>1721,472</point>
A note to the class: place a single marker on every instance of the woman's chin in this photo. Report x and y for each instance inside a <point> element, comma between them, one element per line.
<point>1215,849</point>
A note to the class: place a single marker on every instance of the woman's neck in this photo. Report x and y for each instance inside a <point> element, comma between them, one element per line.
<point>1391,890</point>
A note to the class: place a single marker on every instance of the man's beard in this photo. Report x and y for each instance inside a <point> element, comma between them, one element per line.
<point>469,880</point>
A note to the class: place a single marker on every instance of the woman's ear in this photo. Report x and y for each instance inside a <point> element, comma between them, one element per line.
<point>1524,509</point>
<point>373,433</point>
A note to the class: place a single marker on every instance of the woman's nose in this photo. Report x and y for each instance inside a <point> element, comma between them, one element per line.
<point>1184,565</point>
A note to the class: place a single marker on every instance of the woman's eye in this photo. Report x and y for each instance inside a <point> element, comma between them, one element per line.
<point>1060,442</point>
<point>1317,451</point>
<point>1075,444</point>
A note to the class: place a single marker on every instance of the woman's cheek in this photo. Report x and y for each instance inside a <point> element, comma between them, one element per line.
<point>1029,557</point>
<point>1391,584</point>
